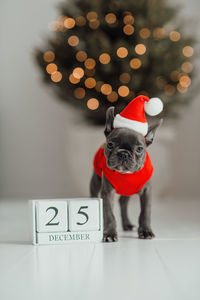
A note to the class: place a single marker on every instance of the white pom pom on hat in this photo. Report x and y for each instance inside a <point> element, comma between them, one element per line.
<point>133,116</point>
<point>153,107</point>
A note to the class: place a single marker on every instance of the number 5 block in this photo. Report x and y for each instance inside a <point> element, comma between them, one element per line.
<point>84,215</point>
<point>51,216</point>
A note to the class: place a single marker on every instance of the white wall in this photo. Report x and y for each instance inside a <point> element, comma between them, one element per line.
<point>45,148</point>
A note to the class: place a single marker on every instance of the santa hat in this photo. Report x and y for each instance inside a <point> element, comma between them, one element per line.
<point>133,116</point>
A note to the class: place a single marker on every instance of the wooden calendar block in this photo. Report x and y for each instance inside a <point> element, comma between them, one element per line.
<point>51,216</point>
<point>50,219</point>
<point>84,215</point>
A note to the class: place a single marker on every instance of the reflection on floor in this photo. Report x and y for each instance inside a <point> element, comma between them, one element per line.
<point>164,268</point>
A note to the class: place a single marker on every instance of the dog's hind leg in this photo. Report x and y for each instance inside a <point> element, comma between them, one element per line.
<point>126,224</point>
<point>95,185</point>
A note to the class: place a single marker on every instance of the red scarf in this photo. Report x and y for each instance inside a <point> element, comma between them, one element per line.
<point>125,184</point>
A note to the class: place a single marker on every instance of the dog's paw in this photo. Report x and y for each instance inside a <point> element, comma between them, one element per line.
<point>128,227</point>
<point>110,237</point>
<point>145,233</point>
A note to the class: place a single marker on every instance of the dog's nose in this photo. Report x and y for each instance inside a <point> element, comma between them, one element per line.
<point>123,155</point>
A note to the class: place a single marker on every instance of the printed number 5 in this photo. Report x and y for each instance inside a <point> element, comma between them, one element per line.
<point>84,214</point>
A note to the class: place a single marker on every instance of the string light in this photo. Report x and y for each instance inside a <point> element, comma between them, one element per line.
<point>110,18</point>
<point>185,81</point>
<point>90,63</point>
<point>79,93</point>
<point>112,97</point>
<point>181,89</point>
<point>123,91</point>
<point>169,90</point>
<point>188,51</point>
<point>135,63</point>
<point>73,40</point>
<point>104,58</point>
<point>145,33</point>
<point>69,23</point>
<point>78,73</point>
<point>56,76</point>
<point>93,103</point>
<point>174,36</point>
<point>122,52</point>
<point>73,79</point>
<point>128,29</point>
<point>128,19</point>
<point>51,68</point>
<point>81,56</point>
<point>94,24</point>
<point>80,21</point>
<point>159,33</point>
<point>49,56</point>
<point>90,83</point>
<point>124,78</point>
<point>140,49</point>
<point>106,89</point>
<point>187,67</point>
<point>91,16</point>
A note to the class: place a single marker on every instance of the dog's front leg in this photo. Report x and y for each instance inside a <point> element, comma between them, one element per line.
<point>144,230</point>
<point>107,194</point>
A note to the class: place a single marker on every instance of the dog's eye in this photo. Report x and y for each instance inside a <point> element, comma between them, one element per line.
<point>139,149</point>
<point>110,145</point>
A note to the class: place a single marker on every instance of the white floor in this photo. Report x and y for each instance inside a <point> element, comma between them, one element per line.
<point>167,267</point>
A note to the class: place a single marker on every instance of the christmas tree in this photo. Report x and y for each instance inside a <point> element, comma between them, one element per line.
<point>105,53</point>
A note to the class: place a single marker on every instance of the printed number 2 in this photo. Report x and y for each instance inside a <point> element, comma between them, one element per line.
<point>56,212</point>
<point>84,214</point>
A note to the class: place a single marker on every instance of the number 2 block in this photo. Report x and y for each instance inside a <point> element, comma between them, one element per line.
<point>51,216</point>
<point>84,215</point>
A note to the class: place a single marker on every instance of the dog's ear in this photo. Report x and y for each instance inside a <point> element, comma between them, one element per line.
<point>151,132</point>
<point>109,120</point>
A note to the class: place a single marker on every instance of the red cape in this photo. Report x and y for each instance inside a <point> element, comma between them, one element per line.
<point>124,184</point>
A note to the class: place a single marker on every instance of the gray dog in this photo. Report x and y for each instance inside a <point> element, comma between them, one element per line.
<point>125,152</point>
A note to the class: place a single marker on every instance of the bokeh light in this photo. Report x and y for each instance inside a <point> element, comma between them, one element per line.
<point>81,56</point>
<point>110,18</point>
<point>91,16</point>
<point>187,67</point>
<point>122,52</point>
<point>144,33</point>
<point>135,63</point>
<point>90,83</point>
<point>56,76</point>
<point>78,73</point>
<point>140,49</point>
<point>106,89</point>
<point>123,91</point>
<point>79,93</point>
<point>128,19</point>
<point>99,85</point>
<point>92,103</point>
<point>104,58</point>
<point>51,68</point>
<point>80,21</point>
<point>174,75</point>
<point>90,63</point>
<point>159,33</point>
<point>188,51</point>
<point>73,79</point>
<point>69,23</point>
<point>185,81</point>
<point>170,90</point>
<point>49,56</point>
<point>94,24</point>
<point>112,97</point>
<point>181,89</point>
<point>128,29</point>
<point>73,40</point>
<point>174,36</point>
<point>161,82</point>
<point>125,78</point>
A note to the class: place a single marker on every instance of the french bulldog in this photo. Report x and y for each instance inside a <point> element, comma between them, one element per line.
<point>125,153</point>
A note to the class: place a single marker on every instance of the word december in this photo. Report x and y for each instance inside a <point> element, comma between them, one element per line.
<point>69,236</point>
